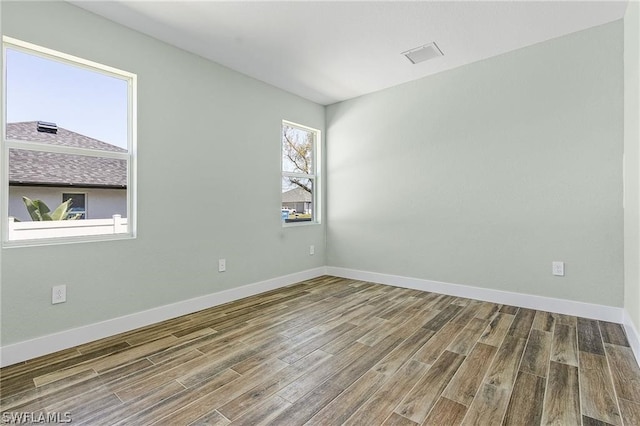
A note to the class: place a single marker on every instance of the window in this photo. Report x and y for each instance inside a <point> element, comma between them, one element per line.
<point>77,206</point>
<point>300,168</point>
<point>68,131</point>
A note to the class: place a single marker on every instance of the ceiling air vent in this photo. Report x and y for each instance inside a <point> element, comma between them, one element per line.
<point>45,127</point>
<point>423,53</point>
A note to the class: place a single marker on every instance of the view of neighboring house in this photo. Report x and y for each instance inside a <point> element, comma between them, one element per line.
<point>98,186</point>
<point>297,199</point>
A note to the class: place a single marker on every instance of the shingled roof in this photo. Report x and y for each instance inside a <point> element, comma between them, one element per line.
<point>296,195</point>
<point>54,169</point>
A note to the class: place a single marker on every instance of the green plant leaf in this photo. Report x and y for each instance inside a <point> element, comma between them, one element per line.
<point>41,206</point>
<point>34,208</point>
<point>60,213</point>
<point>39,211</point>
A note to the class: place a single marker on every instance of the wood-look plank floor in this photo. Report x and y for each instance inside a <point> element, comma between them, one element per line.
<point>332,351</point>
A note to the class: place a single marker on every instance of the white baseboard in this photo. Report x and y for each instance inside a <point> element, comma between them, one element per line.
<point>44,345</point>
<point>548,304</point>
<point>28,349</point>
<point>632,335</point>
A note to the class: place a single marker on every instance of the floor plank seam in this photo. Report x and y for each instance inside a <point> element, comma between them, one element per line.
<point>546,381</point>
<point>615,391</point>
<point>580,378</point>
<point>518,365</point>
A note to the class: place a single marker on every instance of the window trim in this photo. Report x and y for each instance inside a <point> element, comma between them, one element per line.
<point>315,177</point>
<point>130,156</point>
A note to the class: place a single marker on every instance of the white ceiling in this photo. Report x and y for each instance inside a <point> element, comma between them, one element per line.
<point>331,51</point>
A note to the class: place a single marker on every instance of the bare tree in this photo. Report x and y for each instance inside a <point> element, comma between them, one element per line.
<point>298,154</point>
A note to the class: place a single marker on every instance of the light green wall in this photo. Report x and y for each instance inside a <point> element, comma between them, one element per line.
<point>208,185</point>
<point>632,161</point>
<point>485,174</point>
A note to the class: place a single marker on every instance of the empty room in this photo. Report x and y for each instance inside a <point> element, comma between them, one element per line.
<point>459,230</point>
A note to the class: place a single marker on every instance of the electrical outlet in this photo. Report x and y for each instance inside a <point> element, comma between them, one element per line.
<point>222,265</point>
<point>557,268</point>
<point>312,250</point>
<point>58,294</point>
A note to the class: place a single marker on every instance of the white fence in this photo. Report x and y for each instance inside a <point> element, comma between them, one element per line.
<point>66,228</point>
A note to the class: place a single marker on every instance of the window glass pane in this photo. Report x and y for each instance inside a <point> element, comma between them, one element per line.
<point>77,200</point>
<point>297,150</point>
<point>77,207</point>
<point>297,199</point>
<point>68,106</point>
<point>46,176</point>
<point>77,106</point>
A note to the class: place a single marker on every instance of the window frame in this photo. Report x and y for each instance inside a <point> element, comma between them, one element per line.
<point>130,156</point>
<point>315,177</point>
